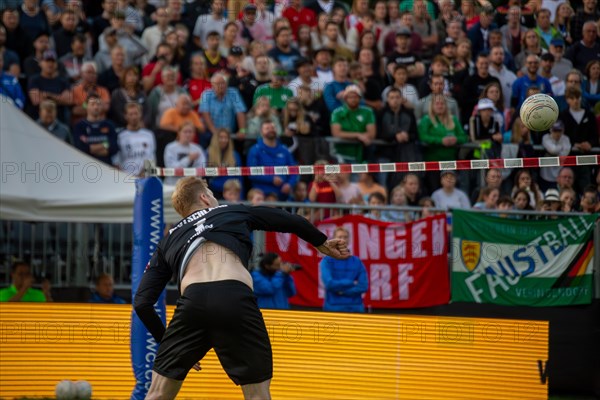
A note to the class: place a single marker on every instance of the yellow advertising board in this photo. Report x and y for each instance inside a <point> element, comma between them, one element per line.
<point>317,355</point>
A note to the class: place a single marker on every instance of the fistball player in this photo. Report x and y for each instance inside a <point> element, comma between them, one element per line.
<point>208,252</point>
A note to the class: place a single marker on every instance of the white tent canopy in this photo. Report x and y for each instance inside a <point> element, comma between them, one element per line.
<point>45,179</point>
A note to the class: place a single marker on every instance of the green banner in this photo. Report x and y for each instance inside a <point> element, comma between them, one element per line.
<point>521,262</point>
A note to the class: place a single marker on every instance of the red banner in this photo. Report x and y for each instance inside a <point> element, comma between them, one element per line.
<point>407,263</point>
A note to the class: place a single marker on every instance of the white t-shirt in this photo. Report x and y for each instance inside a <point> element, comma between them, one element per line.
<point>134,148</point>
<point>456,199</point>
<point>177,156</point>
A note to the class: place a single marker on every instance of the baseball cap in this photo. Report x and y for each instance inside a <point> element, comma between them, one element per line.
<point>485,104</point>
<point>279,72</point>
<point>448,171</point>
<point>403,31</point>
<point>551,195</point>
<point>352,89</point>
<point>558,126</point>
<point>449,42</point>
<point>250,7</point>
<point>236,51</point>
<point>557,42</point>
<point>49,55</point>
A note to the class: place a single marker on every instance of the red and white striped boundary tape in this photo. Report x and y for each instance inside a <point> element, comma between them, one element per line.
<point>537,162</point>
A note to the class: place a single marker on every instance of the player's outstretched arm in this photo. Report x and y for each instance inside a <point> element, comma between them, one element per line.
<point>336,248</point>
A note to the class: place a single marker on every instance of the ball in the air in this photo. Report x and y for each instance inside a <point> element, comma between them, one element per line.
<point>65,390</point>
<point>539,112</point>
<point>83,390</point>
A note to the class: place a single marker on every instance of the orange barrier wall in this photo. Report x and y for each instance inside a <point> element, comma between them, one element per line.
<point>316,355</point>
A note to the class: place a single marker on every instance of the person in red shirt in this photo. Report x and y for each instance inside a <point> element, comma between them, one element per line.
<point>324,189</point>
<point>151,74</point>
<point>299,15</point>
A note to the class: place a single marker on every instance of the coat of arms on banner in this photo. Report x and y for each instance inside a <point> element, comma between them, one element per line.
<point>470,253</point>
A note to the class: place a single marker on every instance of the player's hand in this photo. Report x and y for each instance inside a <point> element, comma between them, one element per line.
<point>336,248</point>
<point>197,367</point>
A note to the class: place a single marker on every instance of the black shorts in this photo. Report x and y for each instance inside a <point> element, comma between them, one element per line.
<point>222,315</point>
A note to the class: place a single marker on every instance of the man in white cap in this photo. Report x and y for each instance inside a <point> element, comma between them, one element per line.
<point>556,144</point>
<point>353,123</point>
<point>485,129</point>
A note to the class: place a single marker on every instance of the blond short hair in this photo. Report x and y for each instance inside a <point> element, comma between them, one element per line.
<point>185,195</point>
<point>232,184</point>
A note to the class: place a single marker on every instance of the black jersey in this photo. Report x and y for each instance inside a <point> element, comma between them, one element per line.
<point>227,225</point>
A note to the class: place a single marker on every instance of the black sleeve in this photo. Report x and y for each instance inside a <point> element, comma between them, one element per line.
<point>154,281</point>
<point>276,220</point>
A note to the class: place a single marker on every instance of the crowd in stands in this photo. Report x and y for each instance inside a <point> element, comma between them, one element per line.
<point>185,84</point>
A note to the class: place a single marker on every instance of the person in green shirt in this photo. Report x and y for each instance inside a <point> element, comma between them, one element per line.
<point>353,123</point>
<point>275,91</point>
<point>442,133</point>
<point>21,289</point>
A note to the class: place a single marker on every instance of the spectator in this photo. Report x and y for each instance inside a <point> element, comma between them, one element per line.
<point>173,118</point>
<point>505,76</point>
<point>275,91</point>
<point>155,34</point>
<point>183,153</point>
<point>484,129</point>
<point>375,200</point>
<point>16,40</point>
<point>105,291</point>
<point>163,97</point>
<point>474,85</point>
<point>10,87</point>
<point>49,121</point>
<point>136,144</point>
<point>545,71</point>
<point>402,55</point>
<point>442,133</point>
<point>589,13</point>
<point>102,21</point>
<point>562,66</point>
<point>513,32</point>
<point>556,144</point>
<point>349,191</point>
<point>322,58</point>
<point>113,73</point>
<point>522,201</point>
<point>580,128</point>
<point>20,289</point>
<point>448,196</point>
<point>367,186</point>
<point>49,86</point>
<point>551,201</point>
<point>324,189</point>
<point>544,29</point>
<point>493,179</point>
<point>212,56</point>
<point>479,33</point>
<point>436,84</point>
<point>306,76</point>
<point>562,21</point>
<point>80,92</point>
<point>261,112</point>
<point>530,46</point>
<point>412,189</point>
<point>269,152</point>
<point>524,182</point>
<point>199,80</point>
<point>409,94</point>
<point>587,49</point>
<point>153,71</point>
<point>565,179</point>
<point>33,19</point>
<point>284,53</point>
<point>229,44</point>
<point>334,41</point>
<point>273,284</point>
<point>398,127</point>
<point>256,196</point>
<point>299,15</point>
<point>95,135</point>
<point>222,154</point>
<point>63,37</point>
<point>74,60</point>
<point>532,78</point>
<point>31,65</point>
<point>249,29</point>
<point>126,38</point>
<point>345,281</point>
<point>589,200</point>
<point>333,93</point>
<point>223,107</point>
<point>129,91</point>
<point>427,204</point>
<point>591,83</point>
<point>232,190</point>
<point>568,199</point>
<point>353,122</point>
<point>397,199</point>
<point>488,199</point>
